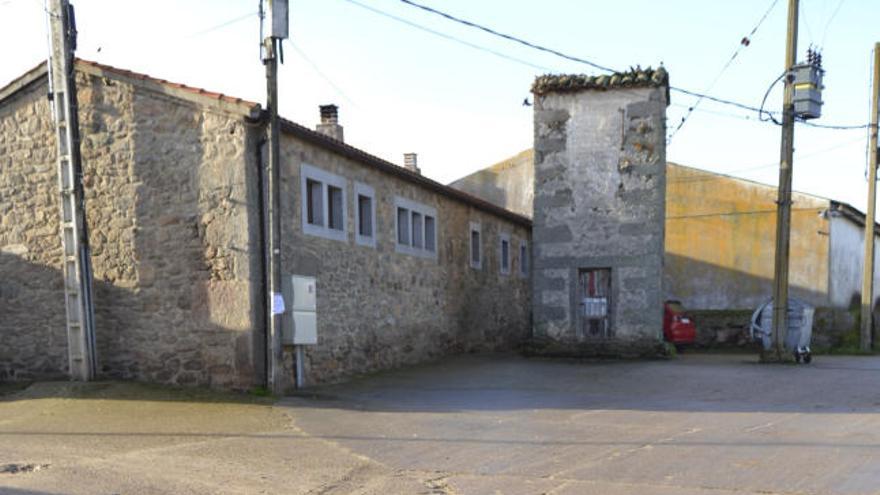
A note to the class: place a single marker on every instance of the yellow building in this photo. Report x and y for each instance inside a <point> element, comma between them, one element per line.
<point>720,236</point>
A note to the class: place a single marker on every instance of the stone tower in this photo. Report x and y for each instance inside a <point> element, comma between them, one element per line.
<point>600,182</point>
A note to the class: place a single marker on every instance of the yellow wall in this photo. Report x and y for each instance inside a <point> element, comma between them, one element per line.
<point>720,241</point>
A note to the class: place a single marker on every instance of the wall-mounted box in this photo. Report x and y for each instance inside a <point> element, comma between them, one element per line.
<point>300,320</point>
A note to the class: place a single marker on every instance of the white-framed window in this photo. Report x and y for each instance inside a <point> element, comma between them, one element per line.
<point>504,253</point>
<point>524,258</point>
<point>323,203</point>
<point>476,246</point>
<point>415,225</point>
<point>365,215</point>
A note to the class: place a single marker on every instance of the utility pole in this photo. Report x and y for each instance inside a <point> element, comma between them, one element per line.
<point>783,203</point>
<point>277,13</point>
<point>77,268</point>
<point>868,274</point>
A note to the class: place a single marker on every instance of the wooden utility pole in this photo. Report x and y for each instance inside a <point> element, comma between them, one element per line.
<point>277,31</point>
<point>868,273</point>
<point>783,203</point>
<point>77,268</point>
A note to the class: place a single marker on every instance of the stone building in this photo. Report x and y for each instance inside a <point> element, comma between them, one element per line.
<point>719,247</point>
<point>406,269</point>
<point>599,202</point>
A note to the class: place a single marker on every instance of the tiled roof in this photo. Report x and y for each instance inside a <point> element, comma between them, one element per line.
<point>387,167</point>
<point>290,127</point>
<point>164,82</point>
<point>633,78</point>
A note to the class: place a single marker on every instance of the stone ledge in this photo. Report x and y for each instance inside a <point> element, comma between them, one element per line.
<point>606,349</point>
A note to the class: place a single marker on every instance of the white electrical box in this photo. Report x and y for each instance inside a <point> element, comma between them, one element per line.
<point>300,320</point>
<point>276,15</point>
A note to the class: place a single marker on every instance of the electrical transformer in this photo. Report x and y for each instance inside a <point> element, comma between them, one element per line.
<point>807,87</point>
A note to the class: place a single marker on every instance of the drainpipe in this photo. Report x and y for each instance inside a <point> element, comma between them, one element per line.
<point>264,261</point>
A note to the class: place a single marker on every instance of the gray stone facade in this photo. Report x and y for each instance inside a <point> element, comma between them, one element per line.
<point>380,308</point>
<point>170,230</point>
<point>599,205</point>
<point>173,206</point>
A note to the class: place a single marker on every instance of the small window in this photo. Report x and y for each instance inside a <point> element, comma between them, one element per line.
<point>504,254</point>
<point>417,230</point>
<point>335,204</point>
<point>403,226</point>
<point>430,234</point>
<point>365,216</point>
<point>476,246</point>
<point>323,203</point>
<point>315,202</point>
<point>523,258</point>
<point>364,206</point>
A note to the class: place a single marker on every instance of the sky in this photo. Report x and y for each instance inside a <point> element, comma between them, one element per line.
<point>402,89</point>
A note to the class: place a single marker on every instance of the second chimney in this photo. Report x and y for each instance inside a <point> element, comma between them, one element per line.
<point>411,162</point>
<point>329,125</point>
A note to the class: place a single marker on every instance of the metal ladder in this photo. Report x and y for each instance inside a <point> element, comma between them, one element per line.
<point>77,270</point>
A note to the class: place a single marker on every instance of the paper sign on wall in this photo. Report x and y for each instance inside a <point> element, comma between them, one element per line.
<point>277,304</point>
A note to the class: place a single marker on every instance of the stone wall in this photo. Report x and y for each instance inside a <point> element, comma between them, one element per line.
<point>600,171</point>
<point>379,308</point>
<point>168,185</point>
<point>171,237</point>
<point>33,339</point>
<point>172,192</point>
<point>833,328</point>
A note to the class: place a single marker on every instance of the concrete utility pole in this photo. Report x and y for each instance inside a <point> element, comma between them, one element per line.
<point>783,203</point>
<point>868,274</point>
<point>277,13</point>
<point>77,268</point>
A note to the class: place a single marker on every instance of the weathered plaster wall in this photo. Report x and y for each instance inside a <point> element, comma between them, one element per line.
<point>509,184</point>
<point>378,308</point>
<point>847,263</point>
<point>720,242</point>
<point>167,207</point>
<point>599,203</point>
<point>33,340</point>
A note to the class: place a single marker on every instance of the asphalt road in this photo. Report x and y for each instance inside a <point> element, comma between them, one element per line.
<point>702,424</point>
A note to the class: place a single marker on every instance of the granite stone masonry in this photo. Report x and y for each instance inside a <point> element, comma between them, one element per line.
<point>599,204</point>
<point>174,210</point>
<point>379,308</point>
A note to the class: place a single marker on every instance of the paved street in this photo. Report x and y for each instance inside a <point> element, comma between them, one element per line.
<point>702,424</point>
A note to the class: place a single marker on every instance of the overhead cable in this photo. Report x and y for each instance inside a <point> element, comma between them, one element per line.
<point>746,41</point>
<point>508,36</point>
<point>448,37</point>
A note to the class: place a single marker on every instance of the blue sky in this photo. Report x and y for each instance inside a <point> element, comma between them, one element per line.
<point>401,89</point>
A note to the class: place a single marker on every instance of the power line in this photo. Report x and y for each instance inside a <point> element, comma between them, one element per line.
<point>576,59</point>
<point>746,41</point>
<point>448,37</point>
<point>558,53</point>
<point>726,173</point>
<point>508,36</point>
<point>223,25</point>
<point>828,24</point>
<point>318,71</point>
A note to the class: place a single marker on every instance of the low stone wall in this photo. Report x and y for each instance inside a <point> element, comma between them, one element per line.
<point>730,328</point>
<point>598,349</point>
